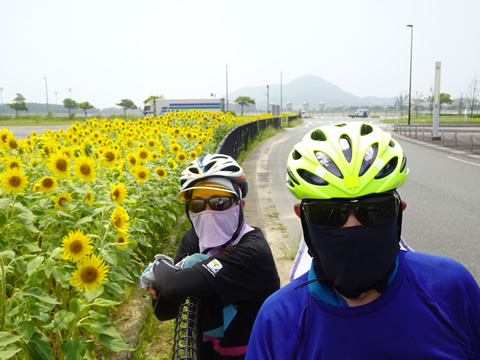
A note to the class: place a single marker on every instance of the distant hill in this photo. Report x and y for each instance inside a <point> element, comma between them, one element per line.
<point>311,89</point>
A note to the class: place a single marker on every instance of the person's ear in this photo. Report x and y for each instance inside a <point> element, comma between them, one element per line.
<point>404,205</point>
<point>296,208</point>
<point>243,204</point>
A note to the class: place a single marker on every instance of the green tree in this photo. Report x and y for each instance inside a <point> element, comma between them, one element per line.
<point>18,104</point>
<point>472,95</point>
<point>127,104</point>
<point>244,100</point>
<point>153,97</point>
<point>85,106</point>
<point>69,104</point>
<point>445,99</point>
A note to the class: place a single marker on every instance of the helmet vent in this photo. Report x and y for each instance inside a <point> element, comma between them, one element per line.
<point>365,129</point>
<point>318,135</point>
<point>296,155</point>
<point>388,168</point>
<point>346,146</point>
<point>369,158</point>
<point>340,125</point>
<point>311,178</point>
<point>328,163</point>
<point>193,170</point>
<point>404,163</point>
<point>392,144</point>
<point>208,167</point>
<point>231,168</point>
<point>292,177</point>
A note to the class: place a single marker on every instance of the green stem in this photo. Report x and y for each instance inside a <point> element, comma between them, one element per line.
<point>3,294</point>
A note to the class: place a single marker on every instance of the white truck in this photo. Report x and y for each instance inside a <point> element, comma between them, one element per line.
<point>360,113</point>
<point>159,107</point>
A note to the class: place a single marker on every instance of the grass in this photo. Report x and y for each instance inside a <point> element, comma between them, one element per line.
<point>43,120</point>
<point>290,248</point>
<point>262,135</point>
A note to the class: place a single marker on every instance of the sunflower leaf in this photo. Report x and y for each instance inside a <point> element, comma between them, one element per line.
<point>40,295</point>
<point>84,220</point>
<point>74,349</point>
<point>34,264</point>
<point>7,338</point>
<point>62,320</point>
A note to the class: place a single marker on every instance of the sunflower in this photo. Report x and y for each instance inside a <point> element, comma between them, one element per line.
<point>62,199</point>
<point>192,155</point>
<point>3,137</point>
<point>120,219</point>
<point>89,197</point>
<point>68,152</point>
<point>11,142</point>
<point>85,168</point>
<point>161,172</point>
<point>132,160</point>
<point>154,155</point>
<point>59,164</point>
<point>109,157</point>
<point>122,238</point>
<point>46,184</point>
<point>90,273</point>
<point>13,162</point>
<point>119,192</point>
<point>141,173</point>
<point>76,246</point>
<point>172,163</point>
<point>13,181</point>
<point>174,148</point>
<point>152,143</point>
<point>143,155</point>
<point>181,156</point>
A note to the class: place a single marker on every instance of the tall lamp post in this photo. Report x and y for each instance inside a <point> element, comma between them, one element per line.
<point>268,98</point>
<point>410,85</point>
<point>1,96</point>
<point>46,91</point>
<point>281,100</point>
<point>226,83</point>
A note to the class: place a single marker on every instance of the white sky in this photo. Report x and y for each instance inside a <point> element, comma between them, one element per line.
<point>107,50</point>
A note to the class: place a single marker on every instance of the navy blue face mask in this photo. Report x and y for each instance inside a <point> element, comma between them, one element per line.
<point>355,259</point>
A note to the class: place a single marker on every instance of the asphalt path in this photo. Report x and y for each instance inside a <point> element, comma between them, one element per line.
<point>442,193</point>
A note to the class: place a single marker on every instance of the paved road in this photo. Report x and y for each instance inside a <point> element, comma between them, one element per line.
<point>442,194</point>
<point>21,132</point>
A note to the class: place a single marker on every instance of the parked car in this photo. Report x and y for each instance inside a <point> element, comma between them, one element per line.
<point>360,113</point>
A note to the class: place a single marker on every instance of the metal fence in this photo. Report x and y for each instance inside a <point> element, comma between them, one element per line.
<point>460,139</point>
<point>237,139</point>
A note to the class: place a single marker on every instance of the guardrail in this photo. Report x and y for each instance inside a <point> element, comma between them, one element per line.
<point>237,139</point>
<point>460,139</point>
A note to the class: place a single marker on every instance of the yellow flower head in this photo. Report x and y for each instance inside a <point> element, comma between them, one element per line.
<point>132,160</point>
<point>90,273</point>
<point>3,138</point>
<point>61,200</point>
<point>14,162</point>
<point>124,239</point>
<point>120,219</point>
<point>161,172</point>
<point>85,168</point>
<point>76,246</point>
<point>46,184</point>
<point>89,197</point>
<point>11,142</point>
<point>181,156</point>
<point>174,148</point>
<point>119,192</point>
<point>13,181</point>
<point>143,155</point>
<point>59,163</point>
<point>192,155</point>
<point>141,173</point>
<point>152,143</point>
<point>109,157</point>
<point>172,163</point>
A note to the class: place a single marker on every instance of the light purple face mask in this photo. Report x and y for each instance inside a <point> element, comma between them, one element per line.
<point>215,228</point>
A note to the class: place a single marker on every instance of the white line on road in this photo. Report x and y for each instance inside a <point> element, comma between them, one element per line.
<point>468,162</point>
<point>308,124</point>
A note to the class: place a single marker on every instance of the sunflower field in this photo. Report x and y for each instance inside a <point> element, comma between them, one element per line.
<point>81,212</point>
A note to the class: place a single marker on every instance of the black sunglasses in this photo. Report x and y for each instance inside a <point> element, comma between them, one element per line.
<point>369,210</point>
<point>217,203</point>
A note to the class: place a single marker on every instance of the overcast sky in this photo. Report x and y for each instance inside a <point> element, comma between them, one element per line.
<point>108,50</point>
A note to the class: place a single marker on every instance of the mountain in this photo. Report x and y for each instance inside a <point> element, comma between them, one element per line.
<point>311,89</point>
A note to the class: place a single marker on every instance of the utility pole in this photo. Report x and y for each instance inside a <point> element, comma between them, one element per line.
<point>268,98</point>
<point>281,89</point>
<point>410,86</point>
<point>226,82</point>
<point>46,91</point>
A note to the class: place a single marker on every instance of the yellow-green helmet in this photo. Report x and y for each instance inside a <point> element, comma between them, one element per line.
<point>345,160</point>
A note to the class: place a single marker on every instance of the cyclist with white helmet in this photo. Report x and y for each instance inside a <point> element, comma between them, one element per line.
<point>221,260</point>
<point>363,297</point>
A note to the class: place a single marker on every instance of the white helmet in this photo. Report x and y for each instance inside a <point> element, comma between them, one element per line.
<point>213,165</point>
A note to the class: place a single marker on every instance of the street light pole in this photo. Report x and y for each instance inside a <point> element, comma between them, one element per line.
<point>226,82</point>
<point>410,85</point>
<point>281,89</point>
<point>46,91</point>
<point>70,91</point>
<point>1,96</point>
<point>268,98</point>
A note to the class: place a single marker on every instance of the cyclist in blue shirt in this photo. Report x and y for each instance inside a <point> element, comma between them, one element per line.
<point>363,297</point>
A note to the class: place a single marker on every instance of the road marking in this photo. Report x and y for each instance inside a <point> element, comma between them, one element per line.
<point>465,161</point>
<point>308,124</point>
